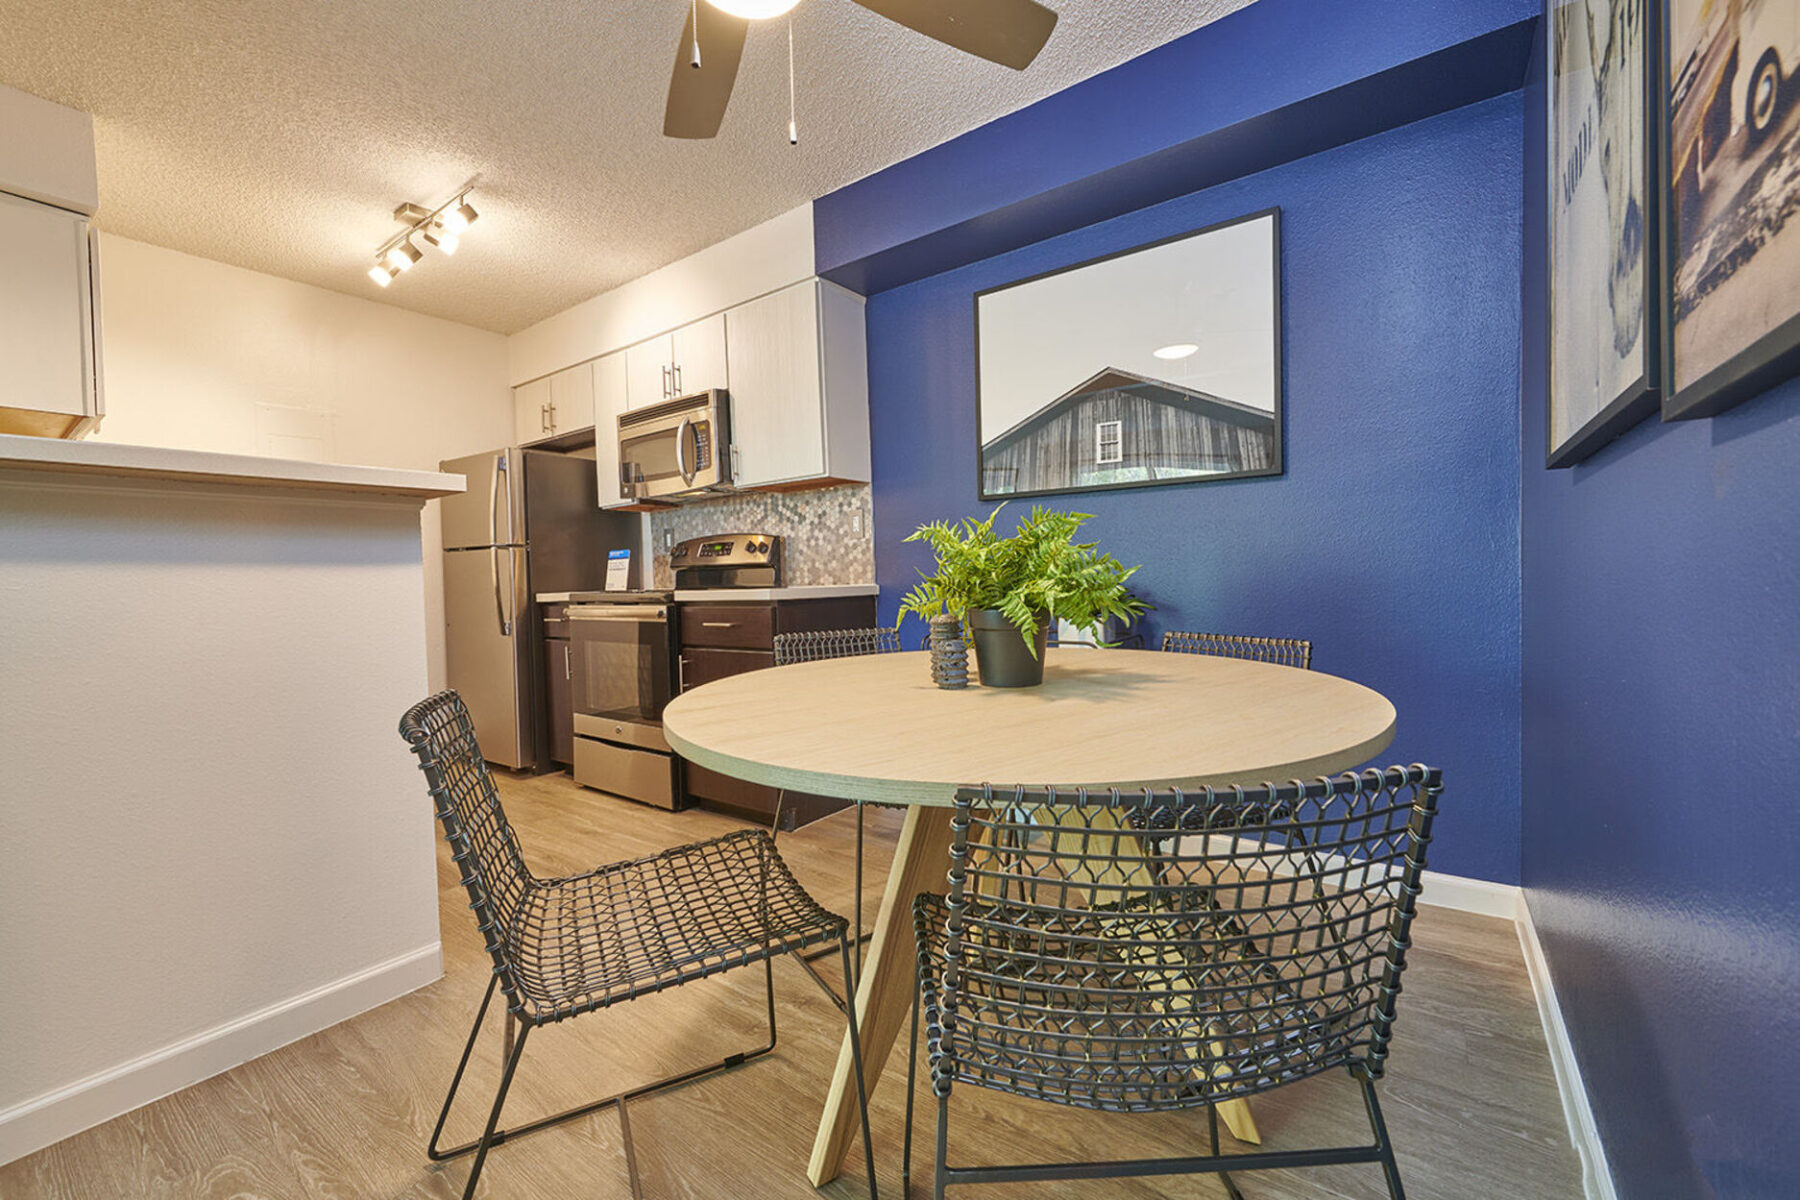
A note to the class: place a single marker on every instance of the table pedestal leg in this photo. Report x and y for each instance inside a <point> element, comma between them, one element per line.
<point>885,984</point>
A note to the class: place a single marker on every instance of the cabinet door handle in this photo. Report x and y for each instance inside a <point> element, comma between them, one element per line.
<point>667,381</point>
<point>552,407</point>
<point>568,667</point>
<point>543,418</point>
<point>718,624</point>
<point>680,674</point>
<point>677,370</point>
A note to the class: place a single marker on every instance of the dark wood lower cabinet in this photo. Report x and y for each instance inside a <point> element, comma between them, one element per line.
<point>719,640</point>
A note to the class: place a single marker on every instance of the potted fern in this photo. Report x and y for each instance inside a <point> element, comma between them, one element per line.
<point>1009,589</point>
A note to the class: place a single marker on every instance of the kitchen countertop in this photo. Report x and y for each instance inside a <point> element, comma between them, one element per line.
<point>817,591</point>
<point>122,461</point>
<point>821,591</point>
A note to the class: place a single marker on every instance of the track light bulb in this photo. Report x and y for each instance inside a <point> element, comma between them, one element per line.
<point>442,238</point>
<point>382,274</point>
<point>403,256</point>
<point>754,10</point>
<point>460,218</point>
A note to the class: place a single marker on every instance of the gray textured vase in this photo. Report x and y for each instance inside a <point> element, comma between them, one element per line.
<point>1000,651</point>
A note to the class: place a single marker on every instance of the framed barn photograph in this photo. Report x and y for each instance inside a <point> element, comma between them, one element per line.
<point>1603,324</point>
<point>1731,128</point>
<point>1159,365</point>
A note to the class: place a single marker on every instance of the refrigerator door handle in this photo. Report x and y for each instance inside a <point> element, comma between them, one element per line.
<point>499,600</point>
<point>494,498</point>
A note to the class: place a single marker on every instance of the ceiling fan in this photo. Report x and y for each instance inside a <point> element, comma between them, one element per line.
<point>1008,32</point>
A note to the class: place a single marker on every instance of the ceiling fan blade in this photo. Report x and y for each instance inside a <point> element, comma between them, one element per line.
<point>698,95</point>
<point>1008,32</point>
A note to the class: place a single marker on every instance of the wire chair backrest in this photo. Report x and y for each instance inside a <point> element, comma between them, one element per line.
<point>1286,652</point>
<point>1159,950</point>
<point>481,839</point>
<point>834,643</point>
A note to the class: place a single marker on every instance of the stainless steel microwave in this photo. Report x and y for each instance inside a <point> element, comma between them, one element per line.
<point>676,447</point>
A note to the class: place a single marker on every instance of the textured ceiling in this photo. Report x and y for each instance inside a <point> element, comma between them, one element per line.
<point>280,136</point>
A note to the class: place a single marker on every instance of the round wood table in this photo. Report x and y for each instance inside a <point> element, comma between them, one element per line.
<point>877,728</point>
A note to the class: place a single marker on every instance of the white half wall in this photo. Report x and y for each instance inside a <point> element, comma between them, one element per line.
<point>212,839</point>
<point>198,355</point>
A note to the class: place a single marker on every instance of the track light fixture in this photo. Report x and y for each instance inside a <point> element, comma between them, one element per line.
<point>441,227</point>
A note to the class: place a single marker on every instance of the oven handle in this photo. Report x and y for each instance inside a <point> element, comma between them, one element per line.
<point>646,613</point>
<point>681,434</point>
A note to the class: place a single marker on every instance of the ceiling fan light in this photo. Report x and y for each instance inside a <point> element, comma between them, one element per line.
<point>382,274</point>
<point>754,10</point>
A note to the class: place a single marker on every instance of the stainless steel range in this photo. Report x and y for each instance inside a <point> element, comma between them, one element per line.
<point>625,666</point>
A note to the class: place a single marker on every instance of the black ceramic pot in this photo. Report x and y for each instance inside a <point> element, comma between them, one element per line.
<point>1001,654</point>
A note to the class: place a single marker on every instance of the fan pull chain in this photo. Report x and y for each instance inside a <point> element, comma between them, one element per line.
<point>793,127</point>
<point>694,16</point>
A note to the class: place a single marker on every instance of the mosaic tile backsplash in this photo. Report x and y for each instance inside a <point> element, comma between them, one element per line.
<point>825,534</point>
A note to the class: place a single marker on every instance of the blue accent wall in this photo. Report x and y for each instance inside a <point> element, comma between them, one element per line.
<point>1392,539</point>
<point>1661,856</point>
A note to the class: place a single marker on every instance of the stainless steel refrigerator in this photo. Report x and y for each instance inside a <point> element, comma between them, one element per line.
<point>529,522</point>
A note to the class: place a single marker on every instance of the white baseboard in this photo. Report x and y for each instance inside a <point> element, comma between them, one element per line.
<point>1508,902</point>
<point>1470,895</point>
<point>1596,1175</point>
<point>53,1116</point>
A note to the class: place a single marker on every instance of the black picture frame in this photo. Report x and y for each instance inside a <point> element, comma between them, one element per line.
<point>1278,453</point>
<point>1773,356</point>
<point>1642,395</point>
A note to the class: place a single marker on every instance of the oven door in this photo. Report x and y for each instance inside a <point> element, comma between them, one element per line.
<point>624,672</point>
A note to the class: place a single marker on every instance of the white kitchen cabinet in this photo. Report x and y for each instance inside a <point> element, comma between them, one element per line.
<point>699,356</point>
<point>611,388</point>
<point>531,411</point>
<point>49,363</point>
<point>649,371</point>
<point>572,399</point>
<point>688,360</point>
<point>798,364</point>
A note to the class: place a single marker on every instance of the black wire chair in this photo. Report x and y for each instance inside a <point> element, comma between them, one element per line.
<point>567,946</point>
<point>840,643</point>
<point>1263,946</point>
<point>1286,652</point>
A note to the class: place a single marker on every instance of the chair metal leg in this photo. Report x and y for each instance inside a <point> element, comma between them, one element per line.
<point>1389,1167</point>
<point>492,1136</point>
<point>1212,1129</point>
<point>940,1176</point>
<point>912,1075</point>
<point>862,1088</point>
<point>488,1140</point>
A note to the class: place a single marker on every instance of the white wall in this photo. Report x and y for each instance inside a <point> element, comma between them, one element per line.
<point>204,356</point>
<point>212,839</point>
<point>762,259</point>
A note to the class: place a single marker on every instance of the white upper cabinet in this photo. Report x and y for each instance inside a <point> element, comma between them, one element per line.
<point>699,356</point>
<point>650,371</point>
<point>690,359</point>
<point>798,365</point>
<point>48,369</point>
<point>531,411</point>
<point>572,399</point>
<point>610,391</point>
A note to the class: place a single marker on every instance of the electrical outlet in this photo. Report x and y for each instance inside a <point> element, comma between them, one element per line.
<point>668,539</point>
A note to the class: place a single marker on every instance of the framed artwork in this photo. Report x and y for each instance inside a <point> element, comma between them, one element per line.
<point>1603,331</point>
<point>1730,79</point>
<point>1159,365</point>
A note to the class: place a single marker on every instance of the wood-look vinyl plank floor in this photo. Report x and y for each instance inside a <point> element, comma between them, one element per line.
<point>344,1114</point>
